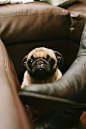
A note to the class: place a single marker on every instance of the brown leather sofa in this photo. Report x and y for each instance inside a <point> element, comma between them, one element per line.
<point>22,28</point>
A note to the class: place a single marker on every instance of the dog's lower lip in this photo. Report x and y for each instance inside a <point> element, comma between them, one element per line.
<point>40,69</point>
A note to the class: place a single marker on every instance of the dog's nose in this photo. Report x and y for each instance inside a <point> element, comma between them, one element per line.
<point>40,62</point>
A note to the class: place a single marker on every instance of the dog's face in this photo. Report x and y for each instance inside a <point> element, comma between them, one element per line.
<point>42,62</point>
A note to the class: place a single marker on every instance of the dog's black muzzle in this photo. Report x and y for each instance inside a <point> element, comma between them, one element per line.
<point>41,70</point>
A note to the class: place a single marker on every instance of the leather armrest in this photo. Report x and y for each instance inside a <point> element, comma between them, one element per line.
<point>12,112</point>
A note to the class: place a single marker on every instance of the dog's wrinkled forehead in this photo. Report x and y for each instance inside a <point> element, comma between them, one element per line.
<point>42,52</point>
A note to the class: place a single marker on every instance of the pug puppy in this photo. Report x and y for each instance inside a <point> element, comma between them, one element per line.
<point>41,66</point>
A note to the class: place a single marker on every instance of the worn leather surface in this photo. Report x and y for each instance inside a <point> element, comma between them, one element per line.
<point>12,112</point>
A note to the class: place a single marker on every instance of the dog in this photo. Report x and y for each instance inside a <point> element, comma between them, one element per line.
<point>41,66</point>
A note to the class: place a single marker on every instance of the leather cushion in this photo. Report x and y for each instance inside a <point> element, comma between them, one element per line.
<point>24,22</point>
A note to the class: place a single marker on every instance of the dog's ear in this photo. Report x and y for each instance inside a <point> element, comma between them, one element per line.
<point>24,62</point>
<point>60,59</point>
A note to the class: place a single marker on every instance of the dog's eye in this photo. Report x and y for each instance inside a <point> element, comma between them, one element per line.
<point>30,62</point>
<point>32,57</point>
<point>47,57</point>
<point>51,61</point>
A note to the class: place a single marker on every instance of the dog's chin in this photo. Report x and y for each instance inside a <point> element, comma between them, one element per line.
<point>41,74</point>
